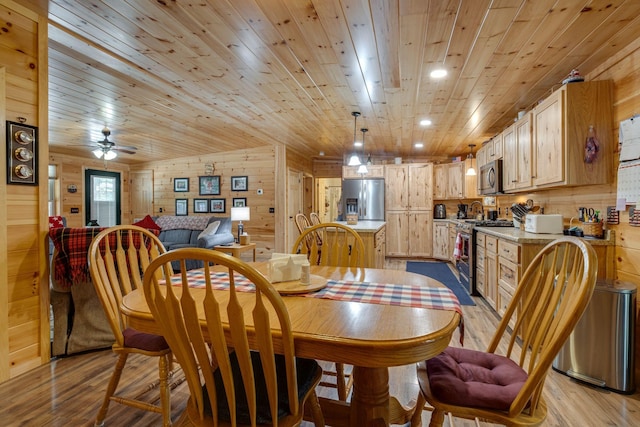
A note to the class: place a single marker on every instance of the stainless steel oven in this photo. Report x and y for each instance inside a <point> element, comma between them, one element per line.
<point>464,262</point>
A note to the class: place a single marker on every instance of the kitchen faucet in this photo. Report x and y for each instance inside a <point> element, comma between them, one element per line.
<point>481,207</point>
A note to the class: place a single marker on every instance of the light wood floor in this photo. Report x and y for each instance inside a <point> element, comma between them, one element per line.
<point>69,391</point>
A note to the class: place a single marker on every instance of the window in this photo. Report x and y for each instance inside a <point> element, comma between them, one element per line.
<point>102,198</point>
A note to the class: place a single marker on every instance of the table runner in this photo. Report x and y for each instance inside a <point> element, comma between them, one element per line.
<point>368,292</point>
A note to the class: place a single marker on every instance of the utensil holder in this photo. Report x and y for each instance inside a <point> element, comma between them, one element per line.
<point>592,229</point>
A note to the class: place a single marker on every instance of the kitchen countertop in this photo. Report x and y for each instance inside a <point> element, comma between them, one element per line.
<point>365,226</point>
<point>519,236</point>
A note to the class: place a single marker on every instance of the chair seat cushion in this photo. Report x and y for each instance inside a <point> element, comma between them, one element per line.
<point>143,341</point>
<point>306,369</point>
<point>477,379</point>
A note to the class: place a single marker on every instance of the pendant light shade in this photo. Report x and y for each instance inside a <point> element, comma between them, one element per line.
<point>354,160</point>
<point>471,171</point>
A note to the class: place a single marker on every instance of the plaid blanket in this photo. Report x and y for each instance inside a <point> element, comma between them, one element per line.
<point>72,244</point>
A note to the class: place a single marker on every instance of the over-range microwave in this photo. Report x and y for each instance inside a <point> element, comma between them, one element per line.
<point>490,178</point>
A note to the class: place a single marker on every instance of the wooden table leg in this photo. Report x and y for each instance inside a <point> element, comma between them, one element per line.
<point>370,397</point>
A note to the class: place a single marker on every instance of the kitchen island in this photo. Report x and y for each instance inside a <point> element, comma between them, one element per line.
<point>373,234</point>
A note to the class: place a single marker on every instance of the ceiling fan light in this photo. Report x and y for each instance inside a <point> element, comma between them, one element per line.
<point>97,152</point>
<point>110,155</point>
<point>354,160</point>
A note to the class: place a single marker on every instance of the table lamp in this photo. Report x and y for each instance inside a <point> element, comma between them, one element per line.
<point>240,214</point>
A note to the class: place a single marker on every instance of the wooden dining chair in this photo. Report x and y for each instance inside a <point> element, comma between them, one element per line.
<point>343,247</point>
<point>243,371</point>
<point>503,385</point>
<point>314,218</point>
<point>302,222</point>
<point>118,257</point>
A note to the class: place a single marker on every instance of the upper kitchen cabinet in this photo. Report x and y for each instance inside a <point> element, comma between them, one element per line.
<point>409,186</point>
<point>373,171</point>
<point>451,181</point>
<point>517,140</point>
<point>560,131</point>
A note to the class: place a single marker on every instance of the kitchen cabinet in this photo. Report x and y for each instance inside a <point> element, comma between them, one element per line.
<point>373,171</point>
<point>517,140</point>
<point>453,233</point>
<point>560,128</point>
<point>441,240</point>
<point>491,271</point>
<point>451,182</point>
<point>409,209</point>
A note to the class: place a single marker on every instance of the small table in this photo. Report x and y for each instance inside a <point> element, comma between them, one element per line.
<point>235,249</point>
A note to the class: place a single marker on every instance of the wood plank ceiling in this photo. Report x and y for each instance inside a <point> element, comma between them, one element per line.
<point>177,77</point>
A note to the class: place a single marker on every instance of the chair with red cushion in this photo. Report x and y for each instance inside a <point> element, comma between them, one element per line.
<point>503,385</point>
<point>118,257</point>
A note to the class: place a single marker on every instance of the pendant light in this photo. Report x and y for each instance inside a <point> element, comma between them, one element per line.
<point>354,160</point>
<point>471,171</point>
<point>363,168</point>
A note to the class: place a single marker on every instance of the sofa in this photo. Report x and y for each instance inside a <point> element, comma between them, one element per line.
<point>79,322</point>
<point>193,231</point>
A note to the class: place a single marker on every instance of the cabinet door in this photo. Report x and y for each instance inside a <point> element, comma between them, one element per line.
<point>441,240</point>
<point>455,187</point>
<point>549,146</point>
<point>440,177</point>
<point>498,150</point>
<point>452,241</point>
<point>510,163</point>
<point>491,278</point>
<point>397,243</point>
<point>524,139</point>
<point>420,186</point>
<point>396,182</point>
<point>420,233</point>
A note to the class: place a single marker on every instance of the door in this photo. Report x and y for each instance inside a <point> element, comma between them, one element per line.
<point>295,200</point>
<point>102,197</point>
<point>141,194</point>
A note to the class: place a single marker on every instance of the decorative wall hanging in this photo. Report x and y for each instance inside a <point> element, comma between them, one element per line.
<point>180,185</point>
<point>209,185</point>
<point>239,202</point>
<point>239,183</point>
<point>200,205</point>
<point>217,205</point>
<point>613,216</point>
<point>181,207</point>
<point>22,154</point>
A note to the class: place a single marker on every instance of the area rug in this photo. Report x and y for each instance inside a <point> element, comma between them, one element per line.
<point>443,274</point>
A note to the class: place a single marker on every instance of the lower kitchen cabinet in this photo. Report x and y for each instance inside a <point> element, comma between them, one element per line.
<point>441,240</point>
<point>374,246</point>
<point>409,234</point>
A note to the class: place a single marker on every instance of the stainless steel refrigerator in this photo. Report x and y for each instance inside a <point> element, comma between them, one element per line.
<point>364,197</point>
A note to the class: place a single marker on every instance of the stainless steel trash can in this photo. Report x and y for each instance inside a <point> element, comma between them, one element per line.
<point>600,351</point>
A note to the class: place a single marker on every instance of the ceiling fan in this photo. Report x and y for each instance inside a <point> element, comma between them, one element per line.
<point>108,150</point>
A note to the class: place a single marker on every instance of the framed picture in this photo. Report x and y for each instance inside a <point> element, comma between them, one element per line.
<point>239,202</point>
<point>200,206</point>
<point>181,207</point>
<point>180,185</point>
<point>22,154</point>
<point>217,205</point>
<point>239,183</point>
<point>209,185</point>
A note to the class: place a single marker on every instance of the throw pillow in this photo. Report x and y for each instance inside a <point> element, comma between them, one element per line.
<point>211,229</point>
<point>147,223</point>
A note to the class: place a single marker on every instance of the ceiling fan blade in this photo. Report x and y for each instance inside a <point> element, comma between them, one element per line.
<point>124,150</point>
<point>126,147</point>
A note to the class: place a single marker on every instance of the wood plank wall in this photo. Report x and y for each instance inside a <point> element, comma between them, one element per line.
<point>24,302</point>
<point>71,172</point>
<point>257,164</point>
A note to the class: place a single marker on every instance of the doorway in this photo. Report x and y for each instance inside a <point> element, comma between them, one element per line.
<point>102,198</point>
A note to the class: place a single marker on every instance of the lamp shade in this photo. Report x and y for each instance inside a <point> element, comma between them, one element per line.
<point>240,213</point>
<point>354,160</point>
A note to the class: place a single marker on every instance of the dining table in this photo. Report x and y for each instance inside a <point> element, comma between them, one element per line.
<point>393,325</point>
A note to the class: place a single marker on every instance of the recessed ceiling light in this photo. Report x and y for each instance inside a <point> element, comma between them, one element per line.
<point>438,73</point>
<point>418,145</point>
<point>357,144</point>
<point>322,153</point>
<point>425,122</point>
